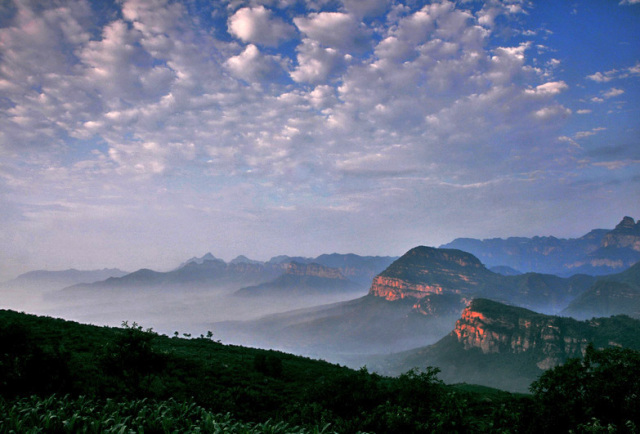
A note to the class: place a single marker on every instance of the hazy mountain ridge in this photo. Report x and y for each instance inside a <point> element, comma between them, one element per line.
<point>508,347</point>
<point>208,271</point>
<point>599,252</point>
<point>610,295</point>
<point>62,278</point>
<point>301,279</point>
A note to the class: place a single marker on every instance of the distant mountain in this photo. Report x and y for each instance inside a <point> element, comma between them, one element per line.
<point>508,347</point>
<point>359,269</point>
<point>207,273</point>
<point>599,252</point>
<point>210,272</point>
<point>303,279</point>
<point>51,280</point>
<point>505,270</point>
<point>610,295</point>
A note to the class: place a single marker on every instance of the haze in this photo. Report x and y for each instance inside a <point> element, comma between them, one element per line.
<point>138,133</point>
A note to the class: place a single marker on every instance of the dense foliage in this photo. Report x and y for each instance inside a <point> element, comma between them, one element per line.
<point>60,376</point>
<point>600,390</point>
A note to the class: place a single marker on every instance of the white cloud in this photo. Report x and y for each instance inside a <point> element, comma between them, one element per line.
<point>600,77</point>
<point>258,25</point>
<point>316,63</point>
<point>613,92</point>
<point>550,88</point>
<point>550,112</point>
<point>616,74</point>
<point>251,65</point>
<point>335,30</point>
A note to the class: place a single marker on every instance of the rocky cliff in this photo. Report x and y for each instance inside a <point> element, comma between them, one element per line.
<point>495,328</point>
<point>508,347</point>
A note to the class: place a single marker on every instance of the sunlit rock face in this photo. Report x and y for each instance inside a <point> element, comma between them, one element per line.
<point>515,330</point>
<point>424,271</point>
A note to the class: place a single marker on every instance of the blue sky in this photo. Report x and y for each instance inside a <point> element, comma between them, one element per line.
<point>138,133</point>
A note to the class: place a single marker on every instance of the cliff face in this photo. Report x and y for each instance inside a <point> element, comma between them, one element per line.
<point>391,288</point>
<point>515,330</point>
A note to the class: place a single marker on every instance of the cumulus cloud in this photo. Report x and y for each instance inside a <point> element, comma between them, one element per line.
<point>335,30</point>
<point>258,25</point>
<point>317,63</point>
<point>613,92</point>
<point>251,65</point>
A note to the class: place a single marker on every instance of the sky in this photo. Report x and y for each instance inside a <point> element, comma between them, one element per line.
<point>139,133</point>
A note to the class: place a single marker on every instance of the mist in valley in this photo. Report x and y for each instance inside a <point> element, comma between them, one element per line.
<point>188,310</point>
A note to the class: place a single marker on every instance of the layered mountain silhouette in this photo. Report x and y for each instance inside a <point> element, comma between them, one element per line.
<point>335,271</point>
<point>508,347</point>
<point>599,252</point>
<point>413,302</point>
<point>303,279</point>
<point>610,295</point>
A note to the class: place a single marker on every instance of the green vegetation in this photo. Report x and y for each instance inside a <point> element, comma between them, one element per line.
<point>598,393</point>
<point>60,376</point>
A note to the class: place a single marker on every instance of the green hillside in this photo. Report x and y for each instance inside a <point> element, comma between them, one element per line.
<point>61,376</point>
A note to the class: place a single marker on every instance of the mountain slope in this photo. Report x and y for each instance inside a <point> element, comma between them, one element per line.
<point>610,295</point>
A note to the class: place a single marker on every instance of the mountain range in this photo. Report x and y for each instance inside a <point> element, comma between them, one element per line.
<point>599,252</point>
<point>297,275</point>
<point>505,318</point>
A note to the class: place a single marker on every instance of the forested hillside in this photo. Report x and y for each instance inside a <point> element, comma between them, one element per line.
<point>62,376</point>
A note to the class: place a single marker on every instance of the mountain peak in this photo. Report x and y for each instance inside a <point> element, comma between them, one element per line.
<point>427,270</point>
<point>628,224</point>
<point>241,259</point>
<point>626,235</point>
